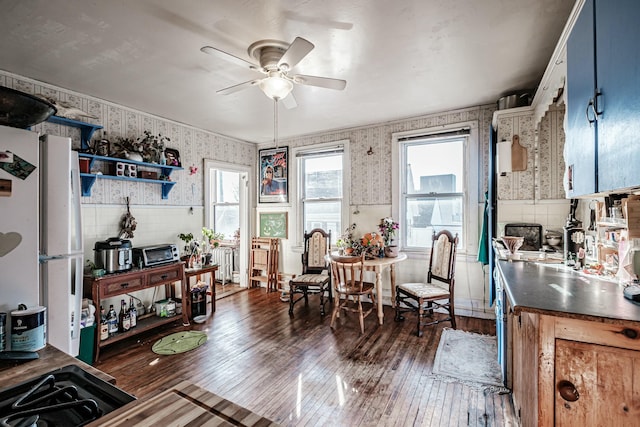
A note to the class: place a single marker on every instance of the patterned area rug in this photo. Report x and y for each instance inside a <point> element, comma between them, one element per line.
<point>468,358</point>
<point>179,342</point>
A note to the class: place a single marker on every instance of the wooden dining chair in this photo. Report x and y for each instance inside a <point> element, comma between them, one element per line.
<point>315,279</point>
<point>349,287</point>
<point>424,298</point>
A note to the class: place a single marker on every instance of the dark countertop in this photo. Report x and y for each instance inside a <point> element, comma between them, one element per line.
<point>558,291</point>
<point>51,358</point>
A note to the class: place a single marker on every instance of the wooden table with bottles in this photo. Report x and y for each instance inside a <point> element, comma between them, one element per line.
<point>136,279</point>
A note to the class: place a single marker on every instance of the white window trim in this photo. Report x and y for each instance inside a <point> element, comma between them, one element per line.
<point>297,184</point>
<point>469,189</point>
<point>247,201</point>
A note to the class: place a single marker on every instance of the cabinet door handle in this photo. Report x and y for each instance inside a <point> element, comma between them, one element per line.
<point>598,103</point>
<point>164,276</point>
<point>568,391</point>
<point>591,107</point>
<point>124,285</point>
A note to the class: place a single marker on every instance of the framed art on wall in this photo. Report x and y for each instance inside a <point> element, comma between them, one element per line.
<point>172,156</point>
<point>273,175</point>
<point>273,224</point>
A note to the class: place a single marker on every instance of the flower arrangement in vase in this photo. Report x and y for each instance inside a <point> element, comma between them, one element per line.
<point>371,244</point>
<point>388,228</point>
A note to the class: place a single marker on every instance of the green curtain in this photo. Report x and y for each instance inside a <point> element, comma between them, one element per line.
<point>483,246</point>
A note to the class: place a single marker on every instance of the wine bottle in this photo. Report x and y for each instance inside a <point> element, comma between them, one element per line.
<point>104,325</point>
<point>124,319</point>
<point>133,313</point>
<point>112,321</point>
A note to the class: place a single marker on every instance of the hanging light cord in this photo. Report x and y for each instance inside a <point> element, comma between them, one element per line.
<point>275,122</point>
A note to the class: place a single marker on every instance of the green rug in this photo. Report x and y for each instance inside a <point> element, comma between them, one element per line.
<point>179,342</point>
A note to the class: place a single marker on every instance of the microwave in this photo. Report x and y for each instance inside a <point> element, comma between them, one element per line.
<point>150,256</point>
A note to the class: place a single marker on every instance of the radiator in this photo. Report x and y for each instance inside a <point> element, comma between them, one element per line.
<point>224,258</point>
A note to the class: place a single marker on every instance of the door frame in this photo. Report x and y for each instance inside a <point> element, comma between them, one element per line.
<point>246,178</point>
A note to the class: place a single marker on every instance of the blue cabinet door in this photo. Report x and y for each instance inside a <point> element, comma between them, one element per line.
<point>618,81</point>
<point>580,150</point>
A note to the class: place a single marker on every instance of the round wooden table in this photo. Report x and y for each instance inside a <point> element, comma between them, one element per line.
<point>377,265</point>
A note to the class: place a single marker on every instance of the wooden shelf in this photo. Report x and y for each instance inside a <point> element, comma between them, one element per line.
<point>88,179</point>
<point>141,326</point>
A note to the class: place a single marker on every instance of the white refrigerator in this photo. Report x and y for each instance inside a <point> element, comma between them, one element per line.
<point>41,251</point>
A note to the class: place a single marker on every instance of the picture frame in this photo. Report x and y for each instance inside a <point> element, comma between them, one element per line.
<point>273,224</point>
<point>273,175</point>
<point>173,157</point>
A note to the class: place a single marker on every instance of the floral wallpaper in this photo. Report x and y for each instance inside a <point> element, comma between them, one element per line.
<point>370,174</point>
<point>193,144</point>
<point>542,180</point>
<point>550,169</point>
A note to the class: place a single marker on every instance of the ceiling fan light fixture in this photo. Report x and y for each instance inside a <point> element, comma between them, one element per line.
<point>276,87</point>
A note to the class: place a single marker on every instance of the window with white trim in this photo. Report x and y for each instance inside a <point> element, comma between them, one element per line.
<point>226,203</point>
<point>322,184</point>
<point>434,173</point>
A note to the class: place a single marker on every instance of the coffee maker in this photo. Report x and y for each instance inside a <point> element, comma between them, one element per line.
<point>574,236</point>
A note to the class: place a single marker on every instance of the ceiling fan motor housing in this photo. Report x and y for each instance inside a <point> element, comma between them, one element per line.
<point>268,53</point>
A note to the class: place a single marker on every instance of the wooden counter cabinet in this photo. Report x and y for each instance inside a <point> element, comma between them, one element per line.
<point>114,285</point>
<point>575,372</point>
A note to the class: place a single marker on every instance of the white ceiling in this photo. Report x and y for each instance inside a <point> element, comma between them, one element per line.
<point>400,58</point>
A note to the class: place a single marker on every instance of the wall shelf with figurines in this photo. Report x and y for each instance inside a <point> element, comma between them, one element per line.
<point>125,170</point>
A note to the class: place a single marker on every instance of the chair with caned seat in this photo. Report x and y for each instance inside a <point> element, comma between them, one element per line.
<point>315,277</point>
<point>424,298</point>
<point>349,287</point>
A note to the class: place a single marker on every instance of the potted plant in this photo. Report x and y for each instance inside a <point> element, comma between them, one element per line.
<point>388,228</point>
<point>211,237</point>
<point>95,271</point>
<point>186,238</point>
<point>345,241</point>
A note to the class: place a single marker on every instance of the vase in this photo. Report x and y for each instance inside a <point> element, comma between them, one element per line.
<point>391,251</point>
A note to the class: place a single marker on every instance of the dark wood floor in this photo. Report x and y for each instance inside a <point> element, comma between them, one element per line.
<point>300,372</point>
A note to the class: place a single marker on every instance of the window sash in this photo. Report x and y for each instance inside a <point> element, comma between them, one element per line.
<point>418,238</point>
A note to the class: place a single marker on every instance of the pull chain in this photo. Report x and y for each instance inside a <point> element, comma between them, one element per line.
<point>275,122</point>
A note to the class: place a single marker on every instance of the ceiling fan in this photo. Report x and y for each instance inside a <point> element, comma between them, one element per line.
<point>275,60</point>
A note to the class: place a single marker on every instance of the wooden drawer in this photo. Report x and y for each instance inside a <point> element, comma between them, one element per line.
<point>121,285</point>
<point>614,335</point>
<point>169,274</point>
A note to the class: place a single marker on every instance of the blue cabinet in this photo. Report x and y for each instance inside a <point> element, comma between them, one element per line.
<point>580,140</point>
<point>603,93</point>
<point>618,88</point>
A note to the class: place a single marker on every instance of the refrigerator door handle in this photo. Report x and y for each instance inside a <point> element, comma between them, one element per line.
<point>46,258</point>
<point>75,194</point>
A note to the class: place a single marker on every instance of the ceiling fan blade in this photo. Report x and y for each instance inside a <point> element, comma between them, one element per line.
<point>238,87</point>
<point>289,101</point>
<point>324,82</point>
<point>229,57</point>
<point>294,54</point>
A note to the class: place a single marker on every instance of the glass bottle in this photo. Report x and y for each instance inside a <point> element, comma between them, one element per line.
<point>104,325</point>
<point>112,321</point>
<point>133,313</point>
<point>124,319</point>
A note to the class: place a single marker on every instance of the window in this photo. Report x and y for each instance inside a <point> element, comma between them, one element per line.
<point>433,178</point>
<point>322,189</point>
<point>226,203</point>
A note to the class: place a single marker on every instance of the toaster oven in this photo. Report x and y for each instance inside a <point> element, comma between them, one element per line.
<point>149,256</point>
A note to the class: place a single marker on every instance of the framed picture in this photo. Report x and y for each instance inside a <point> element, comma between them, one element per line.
<point>273,224</point>
<point>172,156</point>
<point>273,174</point>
